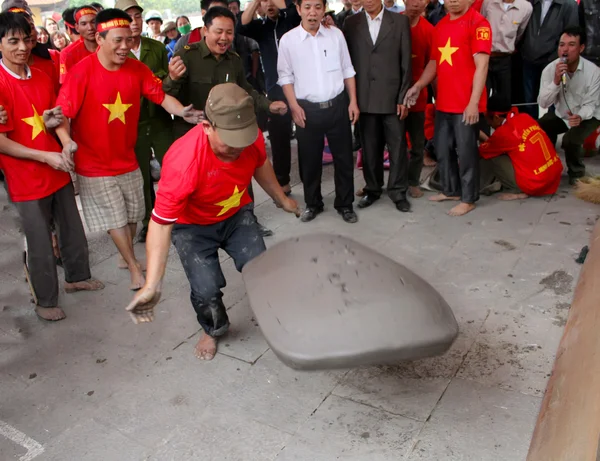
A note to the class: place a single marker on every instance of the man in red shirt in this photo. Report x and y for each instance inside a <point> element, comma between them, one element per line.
<point>36,170</point>
<point>85,23</point>
<point>421,32</point>
<point>462,43</point>
<point>101,95</point>
<point>519,154</point>
<point>203,201</point>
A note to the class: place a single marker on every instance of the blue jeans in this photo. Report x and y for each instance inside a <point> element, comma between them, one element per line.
<point>198,247</point>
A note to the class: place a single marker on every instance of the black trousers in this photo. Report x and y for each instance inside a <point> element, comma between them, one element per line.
<point>37,217</point>
<point>415,127</point>
<point>198,248</point>
<point>333,122</point>
<point>459,168</point>
<point>280,132</point>
<point>377,130</point>
<point>499,78</point>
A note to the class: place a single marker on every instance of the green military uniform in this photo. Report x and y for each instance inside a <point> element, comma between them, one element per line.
<point>155,129</point>
<point>203,72</point>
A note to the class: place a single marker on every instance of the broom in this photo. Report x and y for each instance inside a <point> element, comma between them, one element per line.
<point>588,189</point>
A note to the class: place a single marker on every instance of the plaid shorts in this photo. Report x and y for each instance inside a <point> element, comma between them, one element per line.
<point>112,202</point>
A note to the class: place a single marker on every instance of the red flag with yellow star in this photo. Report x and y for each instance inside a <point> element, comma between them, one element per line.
<point>105,109</point>
<point>25,101</point>
<point>454,45</point>
<point>197,188</point>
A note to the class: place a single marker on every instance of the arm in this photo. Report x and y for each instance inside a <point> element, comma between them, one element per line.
<point>265,177</point>
<point>177,76</point>
<point>590,99</point>
<point>260,101</point>
<point>249,14</point>
<point>500,142</point>
<point>53,159</point>
<point>549,90</point>
<point>348,73</point>
<point>428,75</point>
<point>174,107</point>
<point>482,61</point>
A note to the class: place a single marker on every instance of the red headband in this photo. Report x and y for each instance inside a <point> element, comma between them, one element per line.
<point>113,24</point>
<point>83,12</point>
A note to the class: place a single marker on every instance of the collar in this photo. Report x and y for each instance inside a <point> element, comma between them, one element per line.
<point>17,76</point>
<point>378,17</point>
<point>305,34</point>
<point>356,11</point>
<point>510,5</point>
<point>559,2</point>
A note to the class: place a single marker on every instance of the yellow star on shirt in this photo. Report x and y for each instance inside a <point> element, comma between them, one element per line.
<point>447,52</point>
<point>37,122</point>
<point>231,202</point>
<point>117,110</point>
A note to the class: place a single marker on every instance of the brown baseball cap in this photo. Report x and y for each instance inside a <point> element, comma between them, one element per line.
<point>230,109</point>
<point>124,5</point>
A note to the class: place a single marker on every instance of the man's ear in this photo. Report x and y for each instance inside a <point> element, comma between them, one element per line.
<point>206,126</point>
<point>99,38</point>
<point>581,48</point>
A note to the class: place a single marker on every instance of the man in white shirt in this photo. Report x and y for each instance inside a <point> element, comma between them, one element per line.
<point>393,7</point>
<point>572,84</point>
<point>380,47</point>
<point>315,69</point>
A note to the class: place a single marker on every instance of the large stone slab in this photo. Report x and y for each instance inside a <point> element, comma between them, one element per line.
<point>325,301</point>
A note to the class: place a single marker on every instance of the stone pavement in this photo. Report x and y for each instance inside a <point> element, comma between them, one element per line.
<point>97,387</point>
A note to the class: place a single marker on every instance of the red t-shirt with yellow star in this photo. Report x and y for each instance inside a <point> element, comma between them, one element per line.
<point>105,108</point>
<point>25,101</point>
<point>196,187</point>
<point>537,166</point>
<point>455,44</point>
<point>421,36</point>
<point>70,56</point>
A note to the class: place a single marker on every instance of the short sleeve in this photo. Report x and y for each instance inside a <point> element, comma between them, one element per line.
<point>6,101</point>
<point>481,36</point>
<point>261,148</point>
<point>152,86</point>
<point>72,93</point>
<point>178,178</point>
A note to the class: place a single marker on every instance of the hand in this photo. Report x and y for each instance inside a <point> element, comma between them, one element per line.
<point>53,117</point>
<point>410,99</point>
<point>328,22</point>
<point>291,206</point>
<point>3,116</point>
<point>69,150</point>
<point>353,112</point>
<point>191,115</point>
<point>402,111</point>
<point>58,161</point>
<point>561,68</point>
<point>574,120</point>
<point>141,309</point>
<point>471,114</point>
<point>176,68</point>
<point>278,107</point>
<point>298,115</point>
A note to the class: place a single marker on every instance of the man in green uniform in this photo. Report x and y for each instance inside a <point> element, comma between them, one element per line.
<point>155,129</point>
<point>198,67</point>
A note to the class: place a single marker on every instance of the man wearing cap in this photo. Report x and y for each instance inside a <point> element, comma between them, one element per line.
<point>155,129</point>
<point>172,36</point>
<point>85,23</point>
<point>203,205</point>
<point>154,22</point>
<point>101,95</point>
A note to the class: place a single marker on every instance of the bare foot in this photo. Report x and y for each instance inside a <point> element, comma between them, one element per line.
<point>206,347</point>
<point>123,264</point>
<point>86,285</point>
<point>360,192</point>
<point>443,198</point>
<point>52,314</point>
<point>461,209</point>
<point>137,278</point>
<point>415,191</point>
<point>427,160</point>
<point>508,197</point>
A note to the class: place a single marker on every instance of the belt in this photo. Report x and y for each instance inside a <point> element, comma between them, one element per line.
<point>500,54</point>
<point>321,105</point>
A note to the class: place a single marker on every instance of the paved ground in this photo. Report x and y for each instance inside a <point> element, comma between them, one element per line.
<point>97,387</point>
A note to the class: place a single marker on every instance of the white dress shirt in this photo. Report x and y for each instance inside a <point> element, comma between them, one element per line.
<point>546,4</point>
<point>316,65</point>
<point>582,91</point>
<point>374,25</point>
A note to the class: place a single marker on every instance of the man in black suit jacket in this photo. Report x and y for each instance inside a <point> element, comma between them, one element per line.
<point>380,47</point>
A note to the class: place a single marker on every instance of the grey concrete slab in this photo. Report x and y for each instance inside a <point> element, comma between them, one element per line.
<point>342,429</point>
<point>273,394</point>
<point>476,423</point>
<point>216,434</point>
